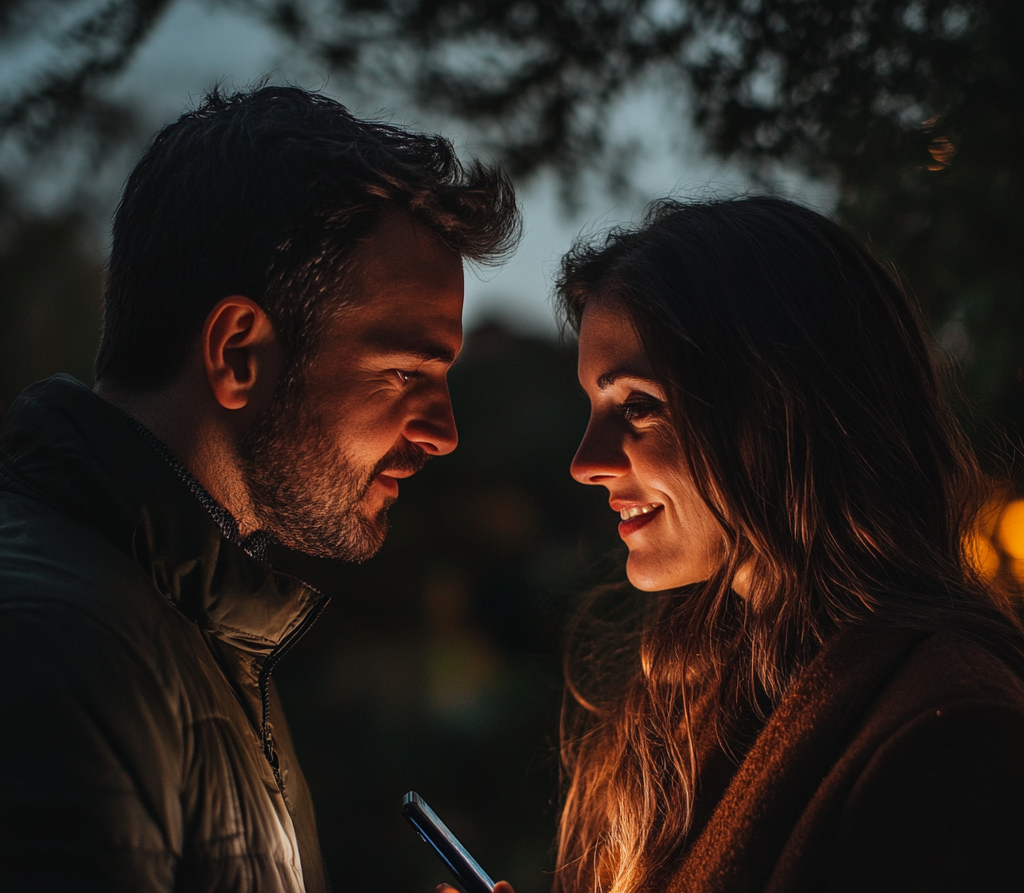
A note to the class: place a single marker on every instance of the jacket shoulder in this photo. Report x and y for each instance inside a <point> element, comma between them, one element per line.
<point>49,557</point>
<point>63,582</point>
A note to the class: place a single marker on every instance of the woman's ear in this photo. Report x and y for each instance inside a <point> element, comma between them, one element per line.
<point>241,352</point>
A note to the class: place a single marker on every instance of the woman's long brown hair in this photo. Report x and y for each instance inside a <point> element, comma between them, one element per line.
<point>811,417</point>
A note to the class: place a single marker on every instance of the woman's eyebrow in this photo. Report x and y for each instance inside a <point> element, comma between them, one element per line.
<point>609,378</point>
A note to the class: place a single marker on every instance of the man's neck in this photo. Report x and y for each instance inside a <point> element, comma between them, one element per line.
<point>198,435</point>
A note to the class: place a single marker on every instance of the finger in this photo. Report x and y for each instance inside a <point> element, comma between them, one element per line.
<point>503,887</point>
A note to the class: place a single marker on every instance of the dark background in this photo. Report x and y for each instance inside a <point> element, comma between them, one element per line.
<point>437,667</point>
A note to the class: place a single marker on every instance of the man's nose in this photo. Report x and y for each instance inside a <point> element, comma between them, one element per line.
<point>600,457</point>
<point>433,428</point>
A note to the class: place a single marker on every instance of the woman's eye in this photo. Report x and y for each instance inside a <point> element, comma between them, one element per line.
<point>637,408</point>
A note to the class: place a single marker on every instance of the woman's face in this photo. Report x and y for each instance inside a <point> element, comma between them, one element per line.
<point>631,448</point>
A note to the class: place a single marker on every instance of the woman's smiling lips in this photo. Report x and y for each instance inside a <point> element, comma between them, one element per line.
<point>635,515</point>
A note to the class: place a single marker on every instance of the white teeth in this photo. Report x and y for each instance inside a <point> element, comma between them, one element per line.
<point>637,510</point>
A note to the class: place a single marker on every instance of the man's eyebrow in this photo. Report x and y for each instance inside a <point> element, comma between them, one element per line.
<point>609,378</point>
<point>424,351</point>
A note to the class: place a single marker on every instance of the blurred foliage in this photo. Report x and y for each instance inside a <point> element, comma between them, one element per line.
<point>913,108</point>
<point>49,300</point>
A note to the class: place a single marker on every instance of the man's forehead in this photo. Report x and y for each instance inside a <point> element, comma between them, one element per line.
<point>404,269</point>
<point>400,247</point>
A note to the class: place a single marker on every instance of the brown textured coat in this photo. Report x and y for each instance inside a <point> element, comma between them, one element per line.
<point>894,763</point>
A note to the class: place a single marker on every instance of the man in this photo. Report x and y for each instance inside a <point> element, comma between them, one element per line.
<point>282,306</point>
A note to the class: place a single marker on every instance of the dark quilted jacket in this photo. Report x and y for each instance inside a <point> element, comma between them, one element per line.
<point>142,745</point>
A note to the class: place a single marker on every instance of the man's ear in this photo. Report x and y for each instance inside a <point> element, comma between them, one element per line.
<point>241,354</point>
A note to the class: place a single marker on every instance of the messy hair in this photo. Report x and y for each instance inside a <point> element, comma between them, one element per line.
<point>810,417</point>
<point>267,193</point>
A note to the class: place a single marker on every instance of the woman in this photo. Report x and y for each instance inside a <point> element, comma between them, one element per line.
<point>824,695</point>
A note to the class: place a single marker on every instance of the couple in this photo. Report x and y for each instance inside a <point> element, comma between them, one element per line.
<point>823,694</point>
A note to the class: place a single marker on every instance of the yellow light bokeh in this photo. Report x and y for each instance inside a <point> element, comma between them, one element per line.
<point>1011,529</point>
<point>1017,569</point>
<point>983,555</point>
<point>988,517</point>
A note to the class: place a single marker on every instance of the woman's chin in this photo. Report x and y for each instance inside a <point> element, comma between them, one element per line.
<point>645,585</point>
<point>647,578</point>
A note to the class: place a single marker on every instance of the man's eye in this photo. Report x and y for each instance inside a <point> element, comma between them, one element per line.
<point>405,375</point>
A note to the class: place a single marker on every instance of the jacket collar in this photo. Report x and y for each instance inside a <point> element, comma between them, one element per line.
<point>66,447</point>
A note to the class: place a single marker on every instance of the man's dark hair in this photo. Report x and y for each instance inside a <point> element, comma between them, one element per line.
<point>267,193</point>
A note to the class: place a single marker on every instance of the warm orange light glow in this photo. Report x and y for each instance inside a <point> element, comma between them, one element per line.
<point>983,555</point>
<point>942,151</point>
<point>1011,529</point>
<point>988,517</point>
<point>1017,569</point>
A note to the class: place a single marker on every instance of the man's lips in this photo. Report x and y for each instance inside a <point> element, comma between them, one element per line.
<point>635,515</point>
<point>388,480</point>
<point>387,483</point>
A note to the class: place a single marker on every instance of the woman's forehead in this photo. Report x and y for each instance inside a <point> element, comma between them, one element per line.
<point>609,347</point>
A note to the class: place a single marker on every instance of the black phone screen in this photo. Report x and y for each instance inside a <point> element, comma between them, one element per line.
<point>434,832</point>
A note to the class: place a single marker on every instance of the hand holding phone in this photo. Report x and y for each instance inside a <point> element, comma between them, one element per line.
<point>463,866</point>
<point>500,887</point>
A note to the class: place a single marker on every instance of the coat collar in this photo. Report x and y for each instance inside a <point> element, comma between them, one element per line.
<point>744,839</point>
<point>67,447</point>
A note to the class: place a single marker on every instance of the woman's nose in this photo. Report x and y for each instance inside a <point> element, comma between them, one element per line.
<point>600,457</point>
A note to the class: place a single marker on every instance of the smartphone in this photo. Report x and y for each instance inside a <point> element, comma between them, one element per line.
<point>466,869</point>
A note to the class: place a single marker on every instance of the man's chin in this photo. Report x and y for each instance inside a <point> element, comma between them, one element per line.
<point>354,544</point>
<point>356,554</point>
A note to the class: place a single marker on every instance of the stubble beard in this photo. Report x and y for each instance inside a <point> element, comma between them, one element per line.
<point>306,491</point>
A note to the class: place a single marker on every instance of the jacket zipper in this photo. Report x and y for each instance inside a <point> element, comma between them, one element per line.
<point>264,683</point>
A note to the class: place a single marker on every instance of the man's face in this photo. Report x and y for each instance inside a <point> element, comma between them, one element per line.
<point>323,462</point>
